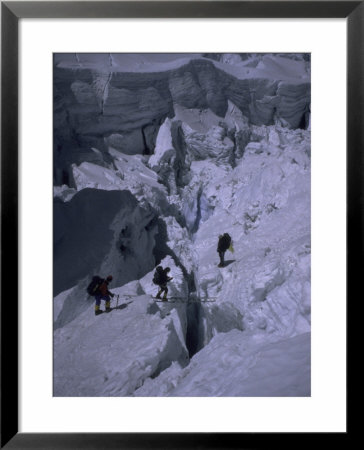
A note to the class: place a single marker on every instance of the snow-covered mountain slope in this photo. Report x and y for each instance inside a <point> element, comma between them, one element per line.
<point>228,367</point>
<point>243,329</point>
<point>136,343</point>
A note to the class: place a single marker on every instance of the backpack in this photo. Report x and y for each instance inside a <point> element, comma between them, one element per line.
<point>157,275</point>
<point>93,287</point>
<point>224,242</point>
<point>227,238</point>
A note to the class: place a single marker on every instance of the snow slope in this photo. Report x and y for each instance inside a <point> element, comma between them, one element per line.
<point>279,369</point>
<point>240,330</point>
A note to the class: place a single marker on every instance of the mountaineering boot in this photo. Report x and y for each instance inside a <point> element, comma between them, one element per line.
<point>107,307</point>
<point>158,295</point>
<point>97,310</point>
<point>165,297</point>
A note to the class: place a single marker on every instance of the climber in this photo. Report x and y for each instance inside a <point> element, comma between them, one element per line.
<point>224,244</point>
<point>103,294</point>
<point>160,279</point>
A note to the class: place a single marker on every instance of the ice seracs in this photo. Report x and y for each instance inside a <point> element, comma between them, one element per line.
<point>97,104</point>
<point>184,154</point>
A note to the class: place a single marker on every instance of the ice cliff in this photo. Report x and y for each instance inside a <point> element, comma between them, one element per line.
<point>106,104</point>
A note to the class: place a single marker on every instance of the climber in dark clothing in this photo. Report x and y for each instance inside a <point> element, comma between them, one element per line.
<point>161,279</point>
<point>223,244</point>
<point>103,293</point>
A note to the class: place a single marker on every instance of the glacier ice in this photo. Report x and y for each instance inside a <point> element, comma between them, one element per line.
<point>166,160</point>
<point>96,104</point>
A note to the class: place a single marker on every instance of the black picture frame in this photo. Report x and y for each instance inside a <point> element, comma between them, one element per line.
<point>11,12</point>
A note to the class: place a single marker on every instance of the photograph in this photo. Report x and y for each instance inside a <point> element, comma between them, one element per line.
<point>181,224</point>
